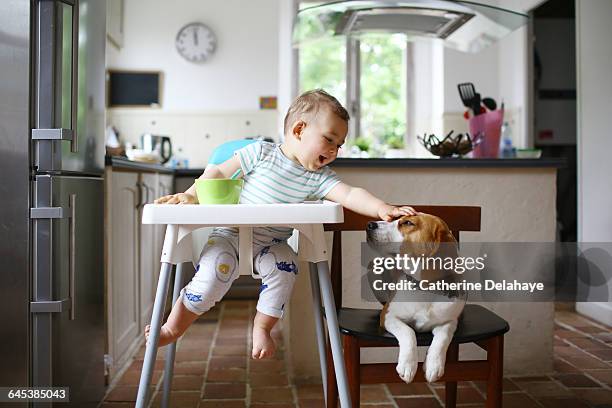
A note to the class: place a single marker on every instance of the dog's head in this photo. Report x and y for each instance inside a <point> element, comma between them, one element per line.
<point>414,235</point>
<point>422,231</point>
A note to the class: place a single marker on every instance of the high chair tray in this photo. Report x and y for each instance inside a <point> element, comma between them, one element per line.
<point>317,212</point>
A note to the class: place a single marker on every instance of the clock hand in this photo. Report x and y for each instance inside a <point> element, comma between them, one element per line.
<point>195,37</point>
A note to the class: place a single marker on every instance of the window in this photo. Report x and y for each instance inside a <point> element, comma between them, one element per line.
<point>323,65</point>
<point>382,83</point>
<point>368,76</point>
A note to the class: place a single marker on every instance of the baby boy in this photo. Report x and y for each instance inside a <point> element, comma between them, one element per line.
<point>296,170</point>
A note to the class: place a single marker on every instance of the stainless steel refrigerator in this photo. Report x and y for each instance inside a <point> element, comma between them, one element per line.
<point>52,67</point>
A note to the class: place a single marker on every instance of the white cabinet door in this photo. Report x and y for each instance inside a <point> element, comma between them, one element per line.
<point>123,307</point>
<point>149,269</point>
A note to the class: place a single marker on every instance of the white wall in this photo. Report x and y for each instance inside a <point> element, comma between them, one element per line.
<point>499,71</point>
<point>203,105</point>
<point>594,98</point>
<point>244,67</point>
<point>287,59</point>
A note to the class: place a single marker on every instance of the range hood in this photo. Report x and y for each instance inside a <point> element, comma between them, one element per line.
<point>462,25</point>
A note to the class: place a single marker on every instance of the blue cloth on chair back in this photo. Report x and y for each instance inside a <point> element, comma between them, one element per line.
<point>225,151</point>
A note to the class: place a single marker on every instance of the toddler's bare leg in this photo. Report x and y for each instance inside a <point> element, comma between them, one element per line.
<point>263,345</point>
<point>215,273</point>
<point>179,320</point>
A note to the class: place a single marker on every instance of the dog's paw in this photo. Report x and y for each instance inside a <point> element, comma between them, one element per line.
<point>434,368</point>
<point>407,368</point>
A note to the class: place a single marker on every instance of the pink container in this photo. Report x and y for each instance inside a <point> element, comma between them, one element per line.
<point>485,130</point>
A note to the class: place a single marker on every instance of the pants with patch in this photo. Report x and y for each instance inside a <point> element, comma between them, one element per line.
<point>276,266</point>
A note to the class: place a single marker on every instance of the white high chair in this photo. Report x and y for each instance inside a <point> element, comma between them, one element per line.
<point>307,218</point>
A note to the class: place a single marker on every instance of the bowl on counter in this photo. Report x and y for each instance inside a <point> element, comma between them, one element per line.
<point>457,145</point>
<point>528,153</point>
<point>140,155</point>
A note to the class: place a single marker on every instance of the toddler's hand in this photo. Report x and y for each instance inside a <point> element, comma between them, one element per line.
<point>179,198</point>
<point>390,212</point>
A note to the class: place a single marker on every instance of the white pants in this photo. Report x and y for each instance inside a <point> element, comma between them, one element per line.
<point>276,266</point>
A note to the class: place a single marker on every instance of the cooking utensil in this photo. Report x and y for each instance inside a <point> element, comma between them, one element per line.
<point>475,104</point>
<point>489,103</point>
<point>467,92</point>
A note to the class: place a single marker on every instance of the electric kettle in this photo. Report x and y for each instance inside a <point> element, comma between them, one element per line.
<point>158,145</point>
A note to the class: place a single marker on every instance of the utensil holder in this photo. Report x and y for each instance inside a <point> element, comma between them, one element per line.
<point>486,132</point>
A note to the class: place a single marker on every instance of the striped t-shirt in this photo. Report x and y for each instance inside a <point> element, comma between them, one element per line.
<point>271,177</point>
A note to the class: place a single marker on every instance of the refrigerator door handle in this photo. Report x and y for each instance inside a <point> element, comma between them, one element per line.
<point>74,145</point>
<point>53,134</point>
<point>50,306</point>
<point>48,212</point>
<point>72,259</point>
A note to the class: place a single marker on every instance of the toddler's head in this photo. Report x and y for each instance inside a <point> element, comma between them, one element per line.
<point>315,127</point>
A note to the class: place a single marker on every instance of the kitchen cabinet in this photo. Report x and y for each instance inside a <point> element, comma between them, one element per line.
<point>122,249</point>
<point>149,259</point>
<point>132,260</point>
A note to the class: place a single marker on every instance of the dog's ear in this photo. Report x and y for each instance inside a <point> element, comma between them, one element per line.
<point>448,241</point>
<point>444,235</point>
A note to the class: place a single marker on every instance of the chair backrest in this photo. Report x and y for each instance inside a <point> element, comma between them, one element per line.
<point>458,218</point>
<point>226,150</point>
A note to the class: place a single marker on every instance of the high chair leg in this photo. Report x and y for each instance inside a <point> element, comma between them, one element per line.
<point>171,352</point>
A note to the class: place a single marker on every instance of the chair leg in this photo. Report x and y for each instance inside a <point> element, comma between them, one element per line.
<point>332,385</point>
<point>495,358</point>
<point>352,362</point>
<point>452,356</point>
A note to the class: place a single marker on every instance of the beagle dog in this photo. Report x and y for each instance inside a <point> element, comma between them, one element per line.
<point>420,235</point>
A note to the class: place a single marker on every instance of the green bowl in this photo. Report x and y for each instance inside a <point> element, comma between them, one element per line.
<point>218,191</point>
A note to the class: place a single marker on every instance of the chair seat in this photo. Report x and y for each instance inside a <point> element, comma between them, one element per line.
<point>476,323</point>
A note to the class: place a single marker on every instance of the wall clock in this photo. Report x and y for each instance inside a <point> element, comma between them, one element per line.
<point>196,42</point>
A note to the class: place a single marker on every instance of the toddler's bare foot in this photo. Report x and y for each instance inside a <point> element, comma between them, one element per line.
<point>263,345</point>
<point>165,336</point>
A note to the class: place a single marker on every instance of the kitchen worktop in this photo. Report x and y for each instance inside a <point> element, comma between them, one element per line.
<point>424,163</point>
<point>122,163</point>
<point>518,200</point>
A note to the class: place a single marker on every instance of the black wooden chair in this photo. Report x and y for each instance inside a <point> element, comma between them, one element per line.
<point>360,327</point>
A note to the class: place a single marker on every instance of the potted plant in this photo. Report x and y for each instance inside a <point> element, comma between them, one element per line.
<point>395,146</point>
<point>364,145</point>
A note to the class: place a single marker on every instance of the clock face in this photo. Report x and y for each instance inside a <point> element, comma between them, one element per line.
<point>196,42</point>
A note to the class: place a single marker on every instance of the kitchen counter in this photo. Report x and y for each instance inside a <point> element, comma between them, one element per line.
<point>424,163</point>
<point>121,163</point>
<point>518,203</point>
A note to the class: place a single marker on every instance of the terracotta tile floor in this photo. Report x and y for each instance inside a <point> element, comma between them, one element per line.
<point>212,369</point>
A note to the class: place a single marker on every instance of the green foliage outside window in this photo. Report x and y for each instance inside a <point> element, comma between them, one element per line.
<point>382,82</point>
<point>383,88</point>
<point>323,65</point>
